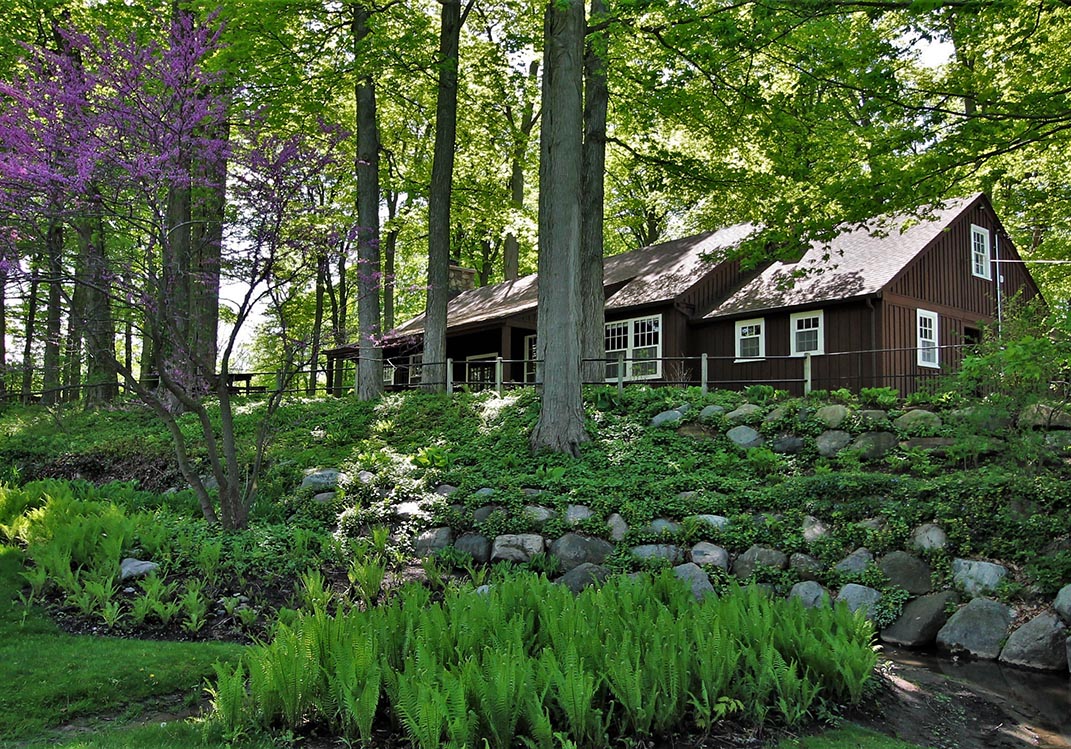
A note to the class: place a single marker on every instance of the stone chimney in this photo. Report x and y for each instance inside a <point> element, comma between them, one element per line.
<point>461,279</point>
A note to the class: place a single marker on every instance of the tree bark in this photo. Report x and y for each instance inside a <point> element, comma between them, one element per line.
<point>370,363</point>
<point>76,317</point>
<point>442,175</point>
<point>561,420</point>
<point>511,250</point>
<point>102,383</point>
<point>390,249</point>
<point>30,331</point>
<point>596,100</point>
<point>317,324</point>
<point>206,252</point>
<point>53,314</point>
<point>3,330</point>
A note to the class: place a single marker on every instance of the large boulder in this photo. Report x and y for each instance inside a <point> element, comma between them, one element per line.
<point>583,576</point>
<point>577,513</point>
<point>976,577</point>
<point>574,550</point>
<point>482,514</point>
<point>716,522</point>
<point>832,416</point>
<point>745,411</point>
<point>666,418</point>
<point>805,566</point>
<point>918,420</point>
<point>662,525</point>
<point>1062,604</point>
<point>1041,644</point>
<point>920,621</point>
<point>617,526</point>
<point>831,442</point>
<point>322,479</point>
<point>874,445</point>
<point>978,629</point>
<point>1044,416</point>
<point>539,515</point>
<point>813,529</point>
<point>787,444</point>
<point>516,547</point>
<point>860,598</point>
<point>668,552</point>
<point>757,556</point>
<point>709,413</point>
<point>694,577</point>
<point>704,553</point>
<point>745,437</point>
<point>131,568</point>
<point>810,593</point>
<point>476,546</point>
<point>433,540</point>
<point>929,537</point>
<point>855,563</point>
<point>873,418</point>
<point>907,571</point>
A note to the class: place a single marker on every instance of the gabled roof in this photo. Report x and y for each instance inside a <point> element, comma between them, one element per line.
<point>659,273</point>
<point>859,261</point>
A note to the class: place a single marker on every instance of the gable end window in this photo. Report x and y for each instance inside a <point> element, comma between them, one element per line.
<point>926,334</point>
<point>981,260</point>
<point>634,347</point>
<point>750,339</point>
<point>808,333</point>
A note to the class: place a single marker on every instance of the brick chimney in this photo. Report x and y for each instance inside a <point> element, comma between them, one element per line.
<point>461,279</point>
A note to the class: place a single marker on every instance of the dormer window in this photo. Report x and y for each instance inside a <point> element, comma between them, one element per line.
<point>981,260</point>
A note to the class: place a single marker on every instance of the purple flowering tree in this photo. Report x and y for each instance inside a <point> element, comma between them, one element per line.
<point>129,133</point>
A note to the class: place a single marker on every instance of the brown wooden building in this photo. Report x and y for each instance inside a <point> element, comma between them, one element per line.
<point>890,303</point>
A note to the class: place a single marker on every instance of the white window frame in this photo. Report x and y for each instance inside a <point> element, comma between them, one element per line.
<point>633,331</point>
<point>530,351</point>
<point>928,347</point>
<point>388,373</point>
<point>741,326</point>
<point>416,368</point>
<point>981,264</point>
<point>794,318</point>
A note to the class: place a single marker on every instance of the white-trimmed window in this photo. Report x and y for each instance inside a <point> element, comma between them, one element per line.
<point>480,370</point>
<point>636,344</point>
<point>530,358</point>
<point>808,333</point>
<point>750,339</point>
<point>388,373</point>
<point>416,367</point>
<point>981,260</point>
<point>926,335</point>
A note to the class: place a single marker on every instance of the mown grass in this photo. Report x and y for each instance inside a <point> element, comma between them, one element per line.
<point>51,678</point>
<point>849,737</point>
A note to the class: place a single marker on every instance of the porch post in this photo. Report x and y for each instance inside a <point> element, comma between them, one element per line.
<point>498,376</point>
<point>703,373</point>
<point>449,376</point>
<point>806,373</point>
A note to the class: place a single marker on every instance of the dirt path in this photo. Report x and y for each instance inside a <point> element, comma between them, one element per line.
<point>945,705</point>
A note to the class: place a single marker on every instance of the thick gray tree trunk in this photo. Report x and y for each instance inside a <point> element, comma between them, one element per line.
<point>370,364</point>
<point>102,379</point>
<point>561,420</point>
<point>596,99</point>
<point>206,253</point>
<point>53,314</point>
<point>442,176</point>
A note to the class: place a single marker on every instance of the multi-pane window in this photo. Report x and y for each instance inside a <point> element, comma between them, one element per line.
<point>980,258</point>
<point>480,370</point>
<point>388,373</point>
<point>530,358</point>
<point>635,348</point>
<point>926,331</point>
<point>416,364</point>
<point>750,339</point>
<point>808,335</point>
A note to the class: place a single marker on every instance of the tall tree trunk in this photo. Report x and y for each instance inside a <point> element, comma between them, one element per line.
<point>3,330</point>
<point>53,314</point>
<point>596,99</point>
<point>76,317</point>
<point>30,331</point>
<point>317,324</point>
<point>561,419</point>
<point>442,176</point>
<point>102,384</point>
<point>206,248</point>
<point>390,249</point>
<point>339,299</point>
<point>370,363</point>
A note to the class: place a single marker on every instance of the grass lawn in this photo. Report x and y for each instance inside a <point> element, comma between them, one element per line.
<point>51,678</point>
<point>849,737</point>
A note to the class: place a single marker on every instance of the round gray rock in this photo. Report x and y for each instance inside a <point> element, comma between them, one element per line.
<point>1062,604</point>
<point>856,562</point>
<point>744,412</point>
<point>662,525</point>
<point>325,498</point>
<point>831,442</point>
<point>694,578</point>
<point>618,527</point>
<point>744,436</point>
<point>516,547</point>
<point>874,445</point>
<point>477,546</point>
<point>673,416</point>
<point>483,513</point>
<point>810,593</point>
<point>577,513</point>
<point>918,420</point>
<point>704,553</point>
<point>978,629</point>
<point>976,577</point>
<point>804,565</point>
<point>787,444</point>
<point>832,415</point>
<point>929,537</point>
<point>445,489</point>
<point>583,576</point>
<point>1041,644</point>
<point>574,550</point>
<point>920,621</point>
<point>432,540</point>
<point>873,418</point>
<point>131,568</point>
<point>539,515</point>
<point>860,598</point>
<point>907,571</point>
<point>321,479</point>
<point>709,412</point>
<point>658,551</point>
<point>717,522</point>
<point>750,560</point>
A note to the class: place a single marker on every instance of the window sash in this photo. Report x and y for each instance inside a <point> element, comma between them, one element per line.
<point>926,334</point>
<point>416,368</point>
<point>530,358</point>
<point>750,339</point>
<point>634,348</point>
<point>807,330</point>
<point>980,253</point>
